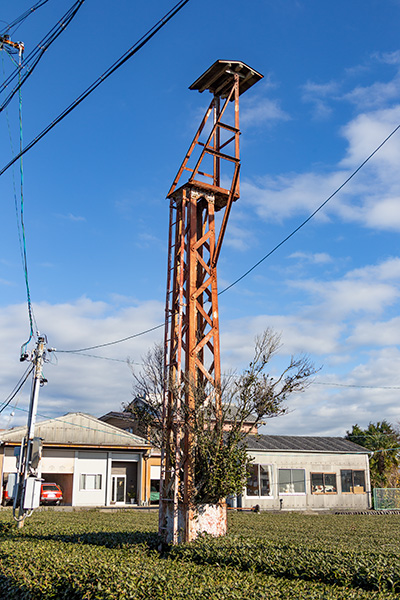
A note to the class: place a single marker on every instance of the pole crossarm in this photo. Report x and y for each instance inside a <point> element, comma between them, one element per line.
<point>5,41</point>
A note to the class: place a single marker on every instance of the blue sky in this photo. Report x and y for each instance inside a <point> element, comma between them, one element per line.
<point>97,219</point>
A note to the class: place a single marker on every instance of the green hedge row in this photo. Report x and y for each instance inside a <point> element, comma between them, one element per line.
<point>112,556</point>
<point>54,570</point>
<point>367,570</point>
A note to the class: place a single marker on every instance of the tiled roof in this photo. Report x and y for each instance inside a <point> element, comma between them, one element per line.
<point>289,443</point>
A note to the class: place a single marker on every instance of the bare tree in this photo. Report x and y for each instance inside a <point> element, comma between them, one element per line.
<point>221,460</point>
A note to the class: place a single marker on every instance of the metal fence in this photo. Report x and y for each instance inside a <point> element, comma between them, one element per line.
<point>386,498</point>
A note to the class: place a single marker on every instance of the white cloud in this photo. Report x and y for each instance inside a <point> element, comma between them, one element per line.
<point>371,198</point>
<point>385,271</point>
<point>76,382</point>
<point>262,111</point>
<point>317,327</point>
<point>238,235</point>
<point>331,410</point>
<point>259,109</point>
<point>292,194</point>
<point>369,290</point>
<point>366,132</point>
<point>384,214</point>
<point>71,217</point>
<point>343,297</point>
<point>376,333</point>
<point>390,58</point>
<point>319,94</point>
<point>375,95</point>
<point>318,258</point>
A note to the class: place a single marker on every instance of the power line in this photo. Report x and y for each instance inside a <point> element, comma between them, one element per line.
<point>24,16</point>
<point>349,385</point>
<point>31,60</point>
<point>130,337</point>
<point>116,65</point>
<point>123,435</point>
<point>121,360</point>
<point>36,55</point>
<point>32,320</point>
<point>17,388</point>
<point>313,213</point>
<point>327,384</point>
<point>133,50</point>
<point>270,252</point>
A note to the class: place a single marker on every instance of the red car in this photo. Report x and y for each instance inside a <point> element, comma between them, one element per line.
<point>50,494</point>
<point>6,500</point>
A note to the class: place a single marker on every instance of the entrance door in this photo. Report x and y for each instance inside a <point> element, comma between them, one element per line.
<point>118,489</point>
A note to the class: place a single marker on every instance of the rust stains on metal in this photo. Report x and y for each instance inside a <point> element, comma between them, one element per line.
<point>219,77</point>
<point>192,342</point>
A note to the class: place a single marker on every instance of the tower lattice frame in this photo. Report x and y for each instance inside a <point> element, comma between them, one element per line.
<point>192,342</point>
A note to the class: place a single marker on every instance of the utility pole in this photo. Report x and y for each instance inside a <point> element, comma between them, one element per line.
<point>192,347</point>
<point>27,485</point>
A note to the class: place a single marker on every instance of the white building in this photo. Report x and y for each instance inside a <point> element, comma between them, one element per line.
<point>94,463</point>
<point>307,473</point>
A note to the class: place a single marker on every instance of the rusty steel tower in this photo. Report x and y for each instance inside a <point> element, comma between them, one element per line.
<point>192,345</point>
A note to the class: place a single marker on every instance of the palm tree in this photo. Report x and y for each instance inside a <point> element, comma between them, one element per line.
<point>384,441</point>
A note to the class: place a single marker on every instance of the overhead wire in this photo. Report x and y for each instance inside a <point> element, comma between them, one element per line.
<point>133,50</point>
<point>141,42</point>
<point>17,388</point>
<point>121,360</point>
<point>123,435</point>
<point>351,385</point>
<point>325,383</point>
<point>125,339</point>
<point>31,60</point>
<point>19,212</point>
<point>346,181</point>
<point>17,22</point>
<point>349,178</point>
<point>32,320</point>
<point>13,179</point>
<point>116,65</point>
<point>20,65</point>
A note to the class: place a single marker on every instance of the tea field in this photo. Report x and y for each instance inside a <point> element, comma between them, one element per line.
<point>113,556</point>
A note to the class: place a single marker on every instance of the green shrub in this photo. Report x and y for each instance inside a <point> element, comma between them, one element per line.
<point>93,555</point>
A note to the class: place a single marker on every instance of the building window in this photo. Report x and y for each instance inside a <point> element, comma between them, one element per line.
<point>154,491</point>
<point>90,482</point>
<point>353,482</point>
<point>323,483</point>
<point>292,481</point>
<point>259,482</point>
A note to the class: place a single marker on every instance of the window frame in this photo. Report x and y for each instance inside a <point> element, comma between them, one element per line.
<point>291,483</point>
<point>98,478</point>
<point>323,493</point>
<point>270,474</point>
<point>352,486</point>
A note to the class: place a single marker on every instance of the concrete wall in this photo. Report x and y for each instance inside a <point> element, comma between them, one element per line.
<point>311,463</point>
<point>91,464</point>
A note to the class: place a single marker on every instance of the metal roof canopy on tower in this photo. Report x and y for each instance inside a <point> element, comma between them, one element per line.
<point>218,78</point>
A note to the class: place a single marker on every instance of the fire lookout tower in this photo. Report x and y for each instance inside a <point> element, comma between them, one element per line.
<point>192,345</point>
